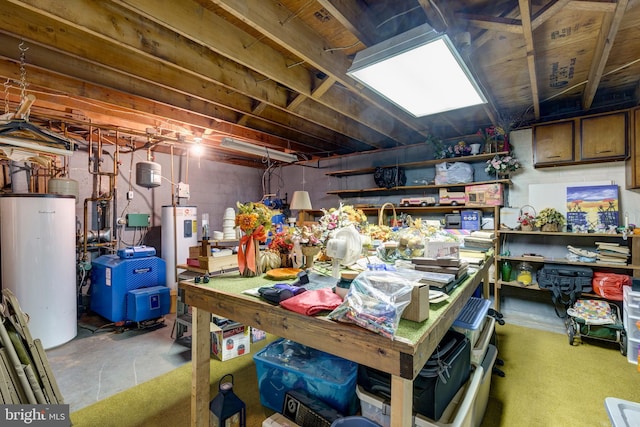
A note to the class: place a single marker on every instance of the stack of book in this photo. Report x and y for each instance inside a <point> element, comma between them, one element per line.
<point>476,245</point>
<point>443,274</point>
<point>454,266</point>
<point>611,253</point>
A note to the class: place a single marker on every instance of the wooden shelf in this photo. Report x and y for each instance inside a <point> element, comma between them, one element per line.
<point>422,209</point>
<point>566,234</point>
<point>413,165</point>
<point>414,188</point>
<point>516,284</point>
<point>567,262</point>
<point>554,239</point>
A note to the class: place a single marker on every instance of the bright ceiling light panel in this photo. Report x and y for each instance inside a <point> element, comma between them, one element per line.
<point>419,71</point>
<point>257,150</point>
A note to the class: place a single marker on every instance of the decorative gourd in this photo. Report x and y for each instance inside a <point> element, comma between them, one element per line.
<point>269,260</point>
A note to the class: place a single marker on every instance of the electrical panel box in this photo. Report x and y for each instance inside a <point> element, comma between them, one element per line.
<point>183,190</point>
<point>138,220</point>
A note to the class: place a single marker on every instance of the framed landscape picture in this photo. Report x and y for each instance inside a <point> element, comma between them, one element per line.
<point>592,207</point>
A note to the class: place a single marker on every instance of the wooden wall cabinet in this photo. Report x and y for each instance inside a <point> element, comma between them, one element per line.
<point>603,137</point>
<point>632,166</point>
<point>553,144</point>
<point>589,139</point>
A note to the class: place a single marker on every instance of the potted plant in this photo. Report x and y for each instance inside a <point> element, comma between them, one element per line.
<point>550,219</point>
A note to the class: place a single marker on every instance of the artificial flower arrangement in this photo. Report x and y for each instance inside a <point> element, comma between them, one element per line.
<point>254,220</point>
<point>458,149</point>
<point>497,135</point>
<point>502,164</point>
<point>342,216</point>
<point>526,220</point>
<point>282,241</point>
<point>549,219</point>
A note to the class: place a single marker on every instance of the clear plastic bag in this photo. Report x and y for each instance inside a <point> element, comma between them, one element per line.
<point>453,173</point>
<point>376,300</point>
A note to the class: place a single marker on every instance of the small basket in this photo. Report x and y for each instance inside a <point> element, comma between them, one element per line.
<point>522,211</point>
<point>394,221</point>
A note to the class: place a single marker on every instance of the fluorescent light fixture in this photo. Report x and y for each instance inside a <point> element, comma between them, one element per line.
<point>420,71</point>
<point>257,150</point>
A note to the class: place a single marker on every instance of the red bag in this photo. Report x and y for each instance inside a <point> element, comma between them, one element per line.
<point>609,285</point>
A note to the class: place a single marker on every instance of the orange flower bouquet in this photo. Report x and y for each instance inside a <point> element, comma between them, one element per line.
<point>254,220</point>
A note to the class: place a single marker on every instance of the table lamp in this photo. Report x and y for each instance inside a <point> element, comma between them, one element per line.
<point>300,202</point>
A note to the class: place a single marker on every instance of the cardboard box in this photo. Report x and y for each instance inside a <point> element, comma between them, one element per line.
<point>229,341</point>
<point>418,308</point>
<point>194,251</point>
<point>218,263</point>
<point>441,249</point>
<point>484,195</point>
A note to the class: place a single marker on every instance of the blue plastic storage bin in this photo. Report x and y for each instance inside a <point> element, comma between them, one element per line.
<point>285,365</point>
<point>471,318</point>
<point>354,421</point>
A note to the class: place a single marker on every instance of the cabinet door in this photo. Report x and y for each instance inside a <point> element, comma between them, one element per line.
<point>553,144</point>
<point>604,137</point>
<point>632,167</point>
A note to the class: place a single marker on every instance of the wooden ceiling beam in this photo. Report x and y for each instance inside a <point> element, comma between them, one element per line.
<point>177,108</point>
<point>547,12</point>
<point>606,37</point>
<point>348,13</point>
<point>134,44</point>
<point>606,6</point>
<point>301,41</point>
<point>493,23</point>
<point>527,32</point>
<point>219,35</point>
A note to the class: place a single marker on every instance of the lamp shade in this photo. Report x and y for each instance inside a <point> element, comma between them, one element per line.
<point>300,201</point>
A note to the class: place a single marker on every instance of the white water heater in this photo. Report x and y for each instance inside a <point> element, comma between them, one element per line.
<point>37,243</point>
<point>176,242</point>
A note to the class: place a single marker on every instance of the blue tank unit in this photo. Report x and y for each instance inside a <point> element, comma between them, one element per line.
<point>112,278</point>
<point>148,303</point>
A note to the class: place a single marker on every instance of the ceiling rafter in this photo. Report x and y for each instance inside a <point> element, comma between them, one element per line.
<point>299,39</point>
<point>527,32</point>
<point>608,30</point>
<point>240,47</point>
<point>186,62</point>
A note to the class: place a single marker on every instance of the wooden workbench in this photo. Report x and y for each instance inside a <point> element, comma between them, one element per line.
<point>403,357</point>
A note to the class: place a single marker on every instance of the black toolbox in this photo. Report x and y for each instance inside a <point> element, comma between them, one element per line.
<point>446,371</point>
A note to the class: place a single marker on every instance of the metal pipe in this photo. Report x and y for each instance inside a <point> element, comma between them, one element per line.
<point>175,225</point>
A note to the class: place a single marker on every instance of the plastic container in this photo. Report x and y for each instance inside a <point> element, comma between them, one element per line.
<point>354,421</point>
<point>631,310</point>
<point>479,351</point>
<point>459,413</point>
<point>285,365</point>
<point>482,399</point>
<point>471,319</point>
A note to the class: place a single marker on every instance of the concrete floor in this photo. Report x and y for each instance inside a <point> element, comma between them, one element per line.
<point>102,361</point>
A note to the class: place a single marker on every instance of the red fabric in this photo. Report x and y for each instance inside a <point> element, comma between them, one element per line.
<point>609,285</point>
<point>312,302</point>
